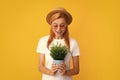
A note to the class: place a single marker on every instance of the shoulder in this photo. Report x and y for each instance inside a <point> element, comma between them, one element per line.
<point>44,37</point>
<point>74,47</point>
<point>72,40</point>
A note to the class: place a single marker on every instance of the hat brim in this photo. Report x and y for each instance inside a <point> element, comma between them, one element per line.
<point>56,11</point>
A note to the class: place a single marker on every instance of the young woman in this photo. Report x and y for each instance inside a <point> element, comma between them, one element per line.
<point>58,19</point>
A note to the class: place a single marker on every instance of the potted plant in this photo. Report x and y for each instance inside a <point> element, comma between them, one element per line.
<point>58,52</point>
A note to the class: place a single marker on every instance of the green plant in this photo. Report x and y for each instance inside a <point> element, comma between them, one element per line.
<point>58,52</point>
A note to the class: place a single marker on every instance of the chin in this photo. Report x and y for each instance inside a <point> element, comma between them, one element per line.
<point>58,34</point>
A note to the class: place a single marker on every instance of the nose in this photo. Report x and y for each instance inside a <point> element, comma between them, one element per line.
<point>58,28</point>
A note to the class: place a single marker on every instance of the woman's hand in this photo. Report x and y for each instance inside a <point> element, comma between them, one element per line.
<point>62,68</point>
<point>54,69</point>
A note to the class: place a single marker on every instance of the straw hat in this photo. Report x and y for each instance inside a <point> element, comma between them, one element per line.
<point>62,10</point>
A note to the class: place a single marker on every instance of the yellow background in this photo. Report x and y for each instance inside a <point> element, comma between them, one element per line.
<point>96,26</point>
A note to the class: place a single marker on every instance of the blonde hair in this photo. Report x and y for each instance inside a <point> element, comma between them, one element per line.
<point>66,33</point>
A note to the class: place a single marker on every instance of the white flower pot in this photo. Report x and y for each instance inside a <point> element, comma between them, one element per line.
<point>58,61</point>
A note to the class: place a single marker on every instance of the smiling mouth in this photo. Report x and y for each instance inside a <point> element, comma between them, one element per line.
<point>58,32</point>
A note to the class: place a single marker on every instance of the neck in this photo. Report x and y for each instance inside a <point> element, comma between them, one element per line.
<point>59,37</point>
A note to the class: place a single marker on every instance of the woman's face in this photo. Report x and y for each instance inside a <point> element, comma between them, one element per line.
<point>59,27</point>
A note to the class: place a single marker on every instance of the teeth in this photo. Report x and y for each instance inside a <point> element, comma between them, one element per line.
<point>58,31</point>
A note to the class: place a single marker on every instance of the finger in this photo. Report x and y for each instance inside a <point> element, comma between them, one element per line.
<point>62,66</point>
<point>54,65</point>
<point>62,72</point>
<point>54,69</point>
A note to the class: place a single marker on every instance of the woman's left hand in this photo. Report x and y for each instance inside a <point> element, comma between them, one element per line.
<point>62,68</point>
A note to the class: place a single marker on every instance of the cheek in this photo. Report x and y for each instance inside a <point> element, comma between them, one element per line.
<point>53,30</point>
<point>64,30</point>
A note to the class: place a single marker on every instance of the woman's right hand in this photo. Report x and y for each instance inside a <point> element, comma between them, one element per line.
<point>54,69</point>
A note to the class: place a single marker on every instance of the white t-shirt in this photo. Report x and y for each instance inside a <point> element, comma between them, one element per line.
<point>42,48</point>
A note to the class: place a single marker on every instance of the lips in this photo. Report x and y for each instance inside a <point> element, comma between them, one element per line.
<point>58,32</point>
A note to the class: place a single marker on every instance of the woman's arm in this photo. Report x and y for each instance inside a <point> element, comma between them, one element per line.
<point>74,70</point>
<point>42,67</point>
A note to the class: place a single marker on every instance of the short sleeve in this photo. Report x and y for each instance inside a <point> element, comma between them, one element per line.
<point>41,46</point>
<point>75,48</point>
